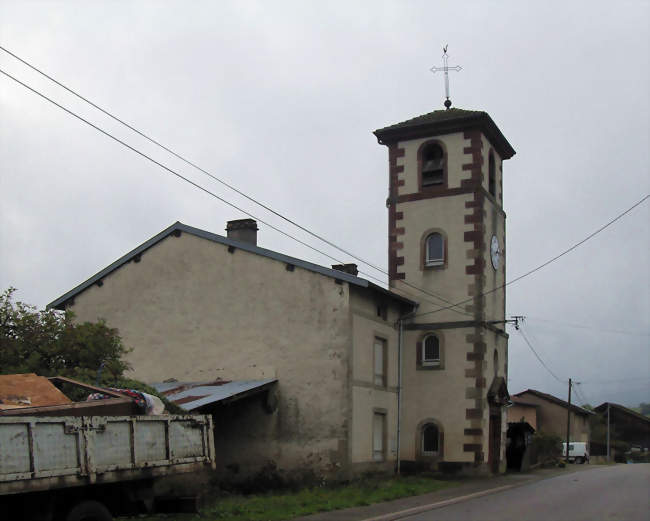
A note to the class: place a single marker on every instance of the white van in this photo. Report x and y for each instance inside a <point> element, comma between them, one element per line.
<point>578,452</point>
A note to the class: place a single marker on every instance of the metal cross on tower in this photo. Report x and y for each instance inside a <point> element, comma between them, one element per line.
<point>446,68</point>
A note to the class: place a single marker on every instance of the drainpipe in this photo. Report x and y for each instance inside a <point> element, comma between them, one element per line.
<point>400,341</point>
<point>399,392</point>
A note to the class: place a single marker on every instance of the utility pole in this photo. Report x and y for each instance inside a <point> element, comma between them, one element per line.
<point>607,432</point>
<point>568,423</point>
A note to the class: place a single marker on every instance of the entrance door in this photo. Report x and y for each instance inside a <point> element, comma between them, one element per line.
<point>495,441</point>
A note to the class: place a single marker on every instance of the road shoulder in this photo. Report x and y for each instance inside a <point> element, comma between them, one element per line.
<point>471,488</point>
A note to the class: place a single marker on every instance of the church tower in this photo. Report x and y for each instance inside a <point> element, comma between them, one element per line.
<point>447,251</point>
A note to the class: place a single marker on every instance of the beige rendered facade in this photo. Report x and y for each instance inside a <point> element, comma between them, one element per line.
<point>198,307</point>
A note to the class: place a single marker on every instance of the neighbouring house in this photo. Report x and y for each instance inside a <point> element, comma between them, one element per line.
<point>550,414</point>
<point>316,369</point>
<point>629,432</point>
<point>523,412</point>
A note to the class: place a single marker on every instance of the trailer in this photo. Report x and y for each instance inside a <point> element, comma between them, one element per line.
<point>90,468</point>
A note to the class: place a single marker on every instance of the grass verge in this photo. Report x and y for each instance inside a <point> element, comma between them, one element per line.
<point>279,506</point>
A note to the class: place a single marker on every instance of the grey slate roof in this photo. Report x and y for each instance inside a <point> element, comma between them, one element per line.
<point>177,227</point>
<point>446,121</point>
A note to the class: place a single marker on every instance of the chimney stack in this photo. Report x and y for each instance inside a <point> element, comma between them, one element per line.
<point>347,268</point>
<point>243,230</point>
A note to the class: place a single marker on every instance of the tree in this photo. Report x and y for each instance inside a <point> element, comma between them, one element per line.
<point>50,343</point>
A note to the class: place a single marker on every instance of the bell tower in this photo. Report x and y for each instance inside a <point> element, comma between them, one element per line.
<point>447,250</point>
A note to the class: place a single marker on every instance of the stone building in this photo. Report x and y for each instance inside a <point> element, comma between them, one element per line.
<point>199,307</point>
<point>366,377</point>
<point>550,414</point>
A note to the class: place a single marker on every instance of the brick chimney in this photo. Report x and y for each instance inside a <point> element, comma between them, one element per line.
<point>347,268</point>
<point>243,230</point>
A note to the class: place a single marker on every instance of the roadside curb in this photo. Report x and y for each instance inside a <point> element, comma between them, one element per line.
<point>439,504</point>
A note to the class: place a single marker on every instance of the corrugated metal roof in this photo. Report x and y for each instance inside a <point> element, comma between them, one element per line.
<point>177,227</point>
<point>193,395</point>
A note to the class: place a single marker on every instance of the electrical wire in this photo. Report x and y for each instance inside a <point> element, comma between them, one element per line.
<point>580,393</point>
<point>538,357</point>
<point>601,382</point>
<point>196,185</point>
<point>581,326</point>
<point>228,185</point>
<point>530,272</point>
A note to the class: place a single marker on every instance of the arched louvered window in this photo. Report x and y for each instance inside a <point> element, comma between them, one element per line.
<point>435,250</point>
<point>433,165</point>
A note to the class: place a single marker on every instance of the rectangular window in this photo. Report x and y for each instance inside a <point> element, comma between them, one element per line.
<point>380,362</point>
<point>378,436</point>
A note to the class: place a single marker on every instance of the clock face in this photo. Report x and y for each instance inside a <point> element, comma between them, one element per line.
<point>495,253</point>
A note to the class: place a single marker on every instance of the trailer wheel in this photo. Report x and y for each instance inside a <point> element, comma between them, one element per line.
<point>89,511</point>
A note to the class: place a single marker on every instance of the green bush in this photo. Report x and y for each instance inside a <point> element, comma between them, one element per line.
<point>547,447</point>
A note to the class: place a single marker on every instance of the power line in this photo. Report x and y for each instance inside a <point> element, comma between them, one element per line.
<point>224,183</point>
<point>582,326</point>
<point>600,382</point>
<point>196,185</point>
<point>538,357</point>
<point>545,263</point>
<point>580,393</point>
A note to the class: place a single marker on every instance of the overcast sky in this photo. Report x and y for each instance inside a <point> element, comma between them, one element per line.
<point>280,99</point>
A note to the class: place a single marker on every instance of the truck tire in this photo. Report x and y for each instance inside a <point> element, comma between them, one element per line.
<point>580,460</point>
<point>89,511</point>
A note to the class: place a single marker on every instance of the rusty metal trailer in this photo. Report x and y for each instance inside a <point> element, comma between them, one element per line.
<point>88,468</point>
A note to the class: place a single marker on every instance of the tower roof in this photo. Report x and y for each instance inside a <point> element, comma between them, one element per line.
<point>444,122</point>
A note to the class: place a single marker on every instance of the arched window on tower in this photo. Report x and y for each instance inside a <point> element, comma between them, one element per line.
<point>430,439</point>
<point>431,350</point>
<point>433,163</point>
<point>496,363</point>
<point>492,178</point>
<point>435,250</point>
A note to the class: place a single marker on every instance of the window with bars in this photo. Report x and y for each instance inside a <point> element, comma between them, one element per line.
<point>431,350</point>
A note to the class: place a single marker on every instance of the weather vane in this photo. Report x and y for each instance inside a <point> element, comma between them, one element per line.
<point>446,68</point>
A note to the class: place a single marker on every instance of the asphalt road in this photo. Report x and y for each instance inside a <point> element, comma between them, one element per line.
<point>620,493</point>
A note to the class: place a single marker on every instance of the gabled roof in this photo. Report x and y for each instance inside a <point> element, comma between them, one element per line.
<point>620,408</point>
<point>178,228</point>
<point>444,122</point>
<point>553,399</point>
